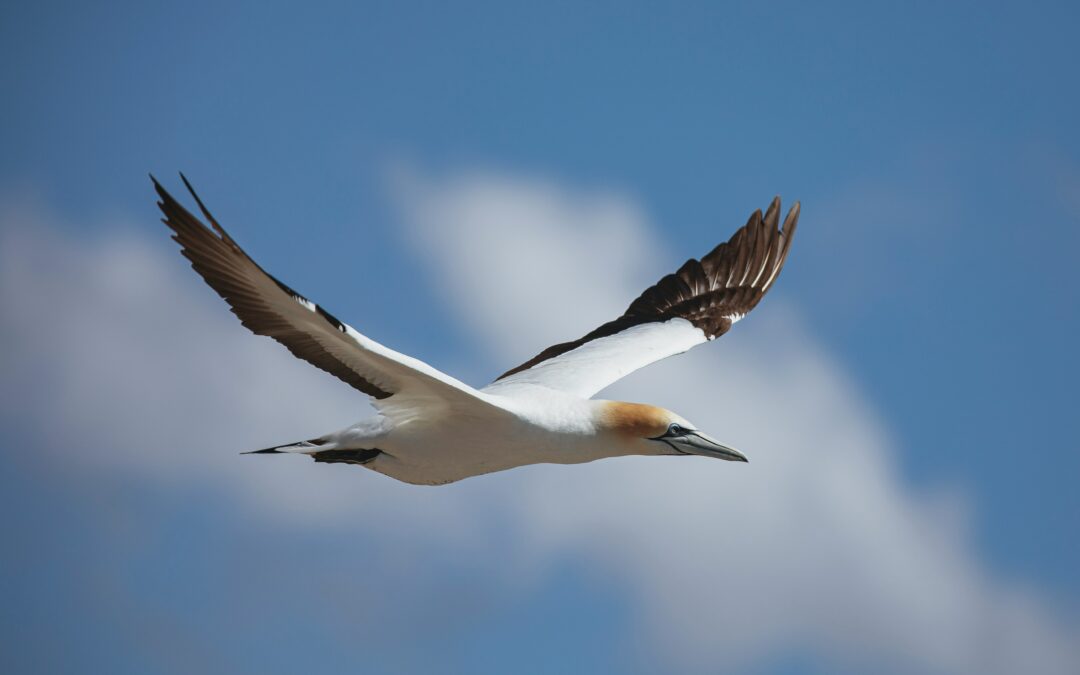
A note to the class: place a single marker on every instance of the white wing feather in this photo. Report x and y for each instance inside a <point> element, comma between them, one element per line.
<point>594,365</point>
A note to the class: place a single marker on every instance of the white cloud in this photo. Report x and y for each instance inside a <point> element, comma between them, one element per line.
<point>816,545</point>
<point>116,356</point>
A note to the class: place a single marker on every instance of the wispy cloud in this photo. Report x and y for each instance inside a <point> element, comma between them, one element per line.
<point>817,543</point>
<point>122,363</point>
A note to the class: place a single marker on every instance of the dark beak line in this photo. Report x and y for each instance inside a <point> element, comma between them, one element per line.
<point>700,444</point>
<point>720,451</point>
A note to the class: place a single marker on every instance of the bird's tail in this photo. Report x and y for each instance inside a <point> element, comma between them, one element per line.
<point>301,447</point>
<point>322,450</point>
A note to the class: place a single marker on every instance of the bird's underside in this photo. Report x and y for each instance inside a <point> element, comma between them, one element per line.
<point>433,429</point>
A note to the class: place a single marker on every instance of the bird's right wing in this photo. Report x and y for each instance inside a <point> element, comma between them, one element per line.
<point>699,302</point>
<point>268,307</point>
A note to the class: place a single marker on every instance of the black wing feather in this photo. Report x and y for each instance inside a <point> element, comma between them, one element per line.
<point>240,281</point>
<point>728,282</point>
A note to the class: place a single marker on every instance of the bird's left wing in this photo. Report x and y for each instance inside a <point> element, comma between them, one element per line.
<point>696,304</point>
<point>268,307</point>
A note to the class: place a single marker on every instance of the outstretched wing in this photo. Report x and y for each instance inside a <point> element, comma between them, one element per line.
<point>268,307</point>
<point>698,303</point>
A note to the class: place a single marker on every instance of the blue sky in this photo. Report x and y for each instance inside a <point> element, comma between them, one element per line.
<point>936,154</point>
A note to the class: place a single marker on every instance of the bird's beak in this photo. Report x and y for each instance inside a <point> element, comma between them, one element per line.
<point>697,443</point>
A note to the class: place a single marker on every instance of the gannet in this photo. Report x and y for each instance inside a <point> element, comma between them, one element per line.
<point>431,429</point>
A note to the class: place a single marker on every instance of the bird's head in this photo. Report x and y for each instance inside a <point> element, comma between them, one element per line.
<point>650,430</point>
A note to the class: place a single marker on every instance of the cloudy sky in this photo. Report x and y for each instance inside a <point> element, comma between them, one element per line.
<point>441,179</point>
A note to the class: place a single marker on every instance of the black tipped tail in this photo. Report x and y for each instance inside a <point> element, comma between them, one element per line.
<point>302,447</point>
<point>329,456</point>
<point>347,456</point>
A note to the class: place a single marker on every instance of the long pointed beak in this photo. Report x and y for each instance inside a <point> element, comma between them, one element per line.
<point>698,443</point>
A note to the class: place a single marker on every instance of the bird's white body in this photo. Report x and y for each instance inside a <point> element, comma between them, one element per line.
<point>432,429</point>
<point>526,424</point>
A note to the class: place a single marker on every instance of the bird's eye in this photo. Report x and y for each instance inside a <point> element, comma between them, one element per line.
<point>675,430</point>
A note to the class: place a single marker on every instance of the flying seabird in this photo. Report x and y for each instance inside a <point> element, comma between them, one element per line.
<point>432,429</point>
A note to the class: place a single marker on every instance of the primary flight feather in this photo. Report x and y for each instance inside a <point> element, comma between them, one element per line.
<point>432,429</point>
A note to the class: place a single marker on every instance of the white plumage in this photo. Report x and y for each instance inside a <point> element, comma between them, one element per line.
<point>433,429</point>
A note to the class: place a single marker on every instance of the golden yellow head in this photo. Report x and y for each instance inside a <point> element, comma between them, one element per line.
<point>635,420</point>
<point>650,430</point>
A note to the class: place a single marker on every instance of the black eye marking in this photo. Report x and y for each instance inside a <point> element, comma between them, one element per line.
<point>674,430</point>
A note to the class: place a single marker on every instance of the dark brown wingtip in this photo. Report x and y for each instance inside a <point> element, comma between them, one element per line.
<point>773,213</point>
<point>792,218</point>
<point>167,203</point>
<point>791,221</point>
<point>202,207</point>
<point>755,218</point>
<point>743,244</point>
<point>727,282</point>
<point>190,189</point>
<point>162,194</point>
